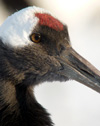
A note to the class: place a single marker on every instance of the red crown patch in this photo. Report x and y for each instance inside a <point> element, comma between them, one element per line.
<point>48,20</point>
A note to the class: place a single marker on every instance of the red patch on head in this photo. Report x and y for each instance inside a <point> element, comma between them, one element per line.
<point>48,20</point>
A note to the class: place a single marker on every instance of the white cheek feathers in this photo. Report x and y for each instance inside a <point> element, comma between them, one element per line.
<point>16,29</point>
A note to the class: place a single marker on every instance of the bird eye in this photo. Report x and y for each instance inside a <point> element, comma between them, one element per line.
<point>35,37</point>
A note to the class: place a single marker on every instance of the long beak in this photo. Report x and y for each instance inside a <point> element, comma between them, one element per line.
<point>77,68</point>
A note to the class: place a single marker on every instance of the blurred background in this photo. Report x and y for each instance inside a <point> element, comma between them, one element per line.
<point>70,103</point>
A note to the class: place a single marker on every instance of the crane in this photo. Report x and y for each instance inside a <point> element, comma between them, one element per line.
<point>35,47</point>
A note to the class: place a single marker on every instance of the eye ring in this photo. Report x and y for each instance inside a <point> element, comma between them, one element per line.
<point>35,37</point>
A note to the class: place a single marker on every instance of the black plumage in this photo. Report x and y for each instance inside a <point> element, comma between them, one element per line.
<point>22,69</point>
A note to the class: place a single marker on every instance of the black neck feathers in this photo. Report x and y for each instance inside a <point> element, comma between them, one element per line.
<point>18,106</point>
<point>24,111</point>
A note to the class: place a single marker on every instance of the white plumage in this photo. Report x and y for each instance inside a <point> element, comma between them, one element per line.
<point>16,29</point>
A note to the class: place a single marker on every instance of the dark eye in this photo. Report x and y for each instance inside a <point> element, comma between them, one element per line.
<point>35,37</point>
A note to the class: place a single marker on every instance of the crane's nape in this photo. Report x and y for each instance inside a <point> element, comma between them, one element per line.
<point>35,47</point>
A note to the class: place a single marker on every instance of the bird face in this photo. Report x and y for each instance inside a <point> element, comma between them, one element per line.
<point>37,48</point>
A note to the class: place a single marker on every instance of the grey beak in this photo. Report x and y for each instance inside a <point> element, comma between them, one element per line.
<point>77,68</point>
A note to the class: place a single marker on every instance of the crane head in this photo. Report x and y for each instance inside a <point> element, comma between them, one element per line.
<point>37,48</point>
